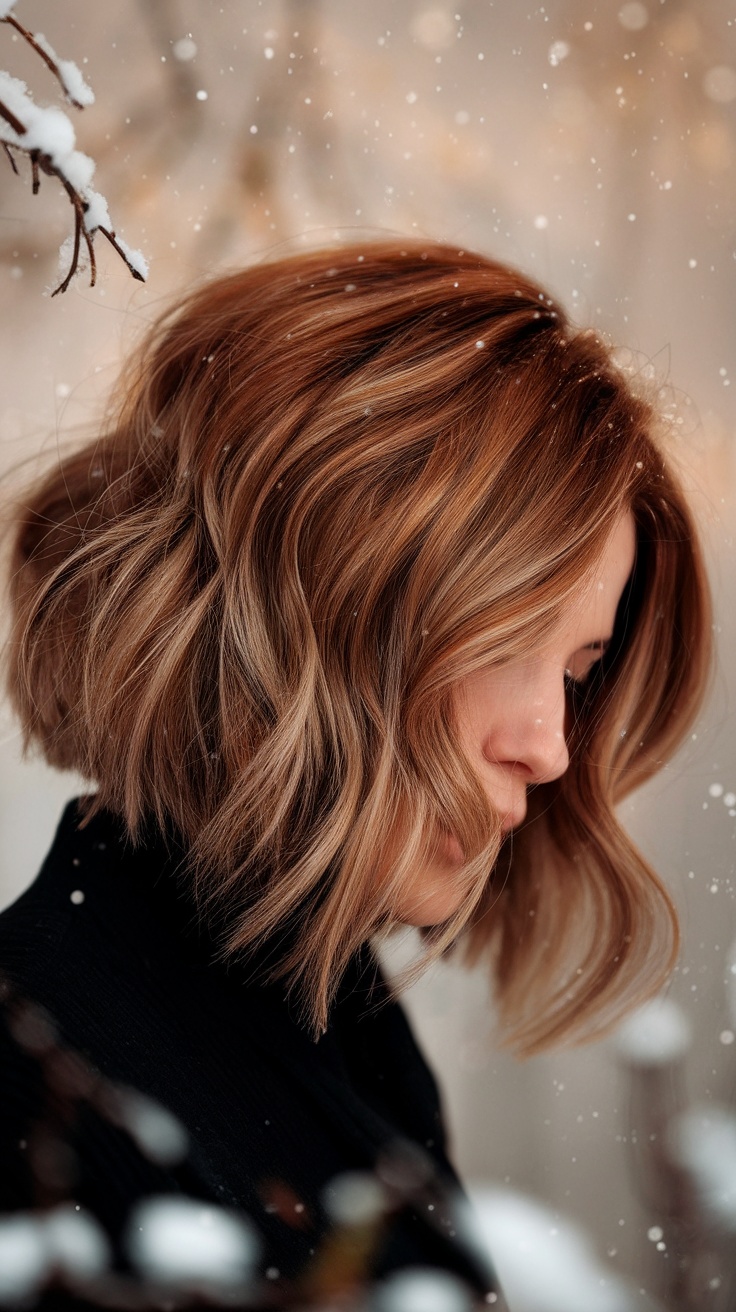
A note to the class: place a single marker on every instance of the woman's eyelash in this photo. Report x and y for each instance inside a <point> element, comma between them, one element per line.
<point>577,682</point>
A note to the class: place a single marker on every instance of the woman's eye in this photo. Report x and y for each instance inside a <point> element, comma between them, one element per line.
<point>578,681</point>
<point>578,676</point>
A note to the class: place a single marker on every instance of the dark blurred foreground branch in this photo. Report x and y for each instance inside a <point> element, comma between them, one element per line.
<point>177,1250</point>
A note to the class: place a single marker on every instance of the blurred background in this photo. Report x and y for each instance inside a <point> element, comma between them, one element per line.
<point>591,143</point>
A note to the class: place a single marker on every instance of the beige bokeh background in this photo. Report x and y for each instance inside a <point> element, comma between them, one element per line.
<point>594,145</point>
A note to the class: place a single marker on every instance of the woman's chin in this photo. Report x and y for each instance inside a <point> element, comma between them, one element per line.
<point>432,900</point>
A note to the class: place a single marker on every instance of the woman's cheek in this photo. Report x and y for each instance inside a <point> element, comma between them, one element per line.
<point>450,848</point>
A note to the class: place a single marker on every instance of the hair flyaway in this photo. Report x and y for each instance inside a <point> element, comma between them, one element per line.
<point>333,485</point>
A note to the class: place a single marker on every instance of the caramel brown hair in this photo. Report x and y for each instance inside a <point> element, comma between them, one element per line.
<point>335,484</point>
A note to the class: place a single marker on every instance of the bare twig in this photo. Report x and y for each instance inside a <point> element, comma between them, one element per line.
<point>79,228</point>
<point>11,161</point>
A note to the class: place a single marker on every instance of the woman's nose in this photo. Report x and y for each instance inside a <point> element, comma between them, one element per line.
<point>532,737</point>
<point>544,747</point>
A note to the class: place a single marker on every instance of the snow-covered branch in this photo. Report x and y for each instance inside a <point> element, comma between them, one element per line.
<point>47,136</point>
<point>76,90</point>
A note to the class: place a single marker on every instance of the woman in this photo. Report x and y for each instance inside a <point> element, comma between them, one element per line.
<point>375,597</point>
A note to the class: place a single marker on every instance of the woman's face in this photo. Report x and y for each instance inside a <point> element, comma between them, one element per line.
<point>511,719</point>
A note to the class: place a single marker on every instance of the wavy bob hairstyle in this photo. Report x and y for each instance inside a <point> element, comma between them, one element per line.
<point>334,485</point>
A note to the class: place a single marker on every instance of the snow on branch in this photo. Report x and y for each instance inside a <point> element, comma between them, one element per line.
<point>47,136</point>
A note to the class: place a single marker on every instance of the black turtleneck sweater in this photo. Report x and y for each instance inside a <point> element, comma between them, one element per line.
<point>106,941</point>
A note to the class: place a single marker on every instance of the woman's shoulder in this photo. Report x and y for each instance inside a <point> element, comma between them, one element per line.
<point>34,926</point>
<point>90,941</point>
<point>73,895</point>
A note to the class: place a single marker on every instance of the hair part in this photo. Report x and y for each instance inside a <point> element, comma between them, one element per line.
<point>336,484</point>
